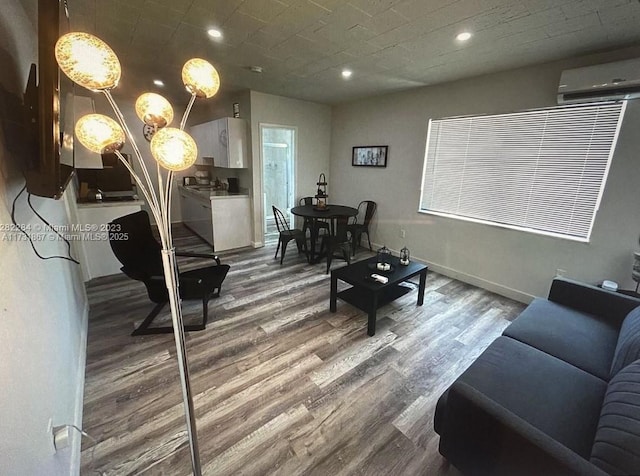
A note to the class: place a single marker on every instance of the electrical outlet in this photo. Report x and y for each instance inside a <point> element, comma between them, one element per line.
<point>561,272</point>
<point>403,233</point>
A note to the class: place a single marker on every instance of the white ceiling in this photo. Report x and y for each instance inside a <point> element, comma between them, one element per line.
<point>303,45</point>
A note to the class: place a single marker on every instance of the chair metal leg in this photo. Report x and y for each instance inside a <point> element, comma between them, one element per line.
<point>278,248</point>
<point>357,236</point>
<point>369,240</point>
<point>284,249</point>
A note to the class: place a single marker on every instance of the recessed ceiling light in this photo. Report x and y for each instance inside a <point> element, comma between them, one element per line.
<point>158,82</point>
<point>346,73</point>
<point>214,33</point>
<point>464,36</point>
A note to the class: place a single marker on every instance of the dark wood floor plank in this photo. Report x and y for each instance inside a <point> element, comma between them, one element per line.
<point>281,385</point>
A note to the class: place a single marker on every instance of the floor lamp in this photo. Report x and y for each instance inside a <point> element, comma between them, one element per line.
<point>91,63</point>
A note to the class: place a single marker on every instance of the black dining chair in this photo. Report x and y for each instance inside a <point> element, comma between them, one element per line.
<point>141,258</point>
<point>308,223</point>
<point>339,241</point>
<point>287,234</point>
<point>366,209</point>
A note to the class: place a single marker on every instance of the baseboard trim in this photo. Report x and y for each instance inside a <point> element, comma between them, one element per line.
<point>497,288</point>
<point>76,438</point>
<point>257,244</point>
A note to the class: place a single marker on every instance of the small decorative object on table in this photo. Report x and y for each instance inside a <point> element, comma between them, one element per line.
<point>404,256</point>
<point>321,194</point>
<point>383,259</point>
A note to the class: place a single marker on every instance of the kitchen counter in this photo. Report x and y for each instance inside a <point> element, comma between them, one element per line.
<point>96,257</point>
<point>221,218</point>
<point>109,203</point>
<point>208,193</point>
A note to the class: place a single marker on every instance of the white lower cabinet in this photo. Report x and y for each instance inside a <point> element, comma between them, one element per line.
<point>196,215</point>
<point>222,221</point>
<point>231,222</point>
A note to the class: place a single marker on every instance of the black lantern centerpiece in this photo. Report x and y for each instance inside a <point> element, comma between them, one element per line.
<point>404,256</point>
<point>383,259</point>
<point>321,194</point>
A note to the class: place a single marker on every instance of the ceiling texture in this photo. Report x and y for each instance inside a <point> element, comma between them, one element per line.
<point>390,45</point>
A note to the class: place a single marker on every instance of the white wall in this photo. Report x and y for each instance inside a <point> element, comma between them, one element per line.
<point>313,123</point>
<point>43,306</point>
<point>514,263</point>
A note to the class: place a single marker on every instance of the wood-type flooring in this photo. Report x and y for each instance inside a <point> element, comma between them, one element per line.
<point>281,385</point>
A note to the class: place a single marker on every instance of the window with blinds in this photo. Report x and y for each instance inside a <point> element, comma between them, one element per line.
<point>542,171</point>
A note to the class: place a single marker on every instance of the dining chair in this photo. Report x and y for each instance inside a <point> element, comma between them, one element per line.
<point>140,255</point>
<point>366,209</point>
<point>287,234</point>
<point>308,223</point>
<point>339,241</point>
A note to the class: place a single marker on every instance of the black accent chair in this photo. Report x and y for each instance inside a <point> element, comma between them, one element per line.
<point>368,209</point>
<point>338,242</point>
<point>286,234</point>
<point>309,223</point>
<point>141,258</point>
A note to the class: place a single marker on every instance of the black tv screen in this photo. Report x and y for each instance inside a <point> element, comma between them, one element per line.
<point>49,98</point>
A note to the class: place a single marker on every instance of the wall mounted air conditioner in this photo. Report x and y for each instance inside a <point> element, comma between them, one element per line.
<point>603,82</point>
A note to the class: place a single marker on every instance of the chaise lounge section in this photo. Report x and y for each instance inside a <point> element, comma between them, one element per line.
<point>557,393</point>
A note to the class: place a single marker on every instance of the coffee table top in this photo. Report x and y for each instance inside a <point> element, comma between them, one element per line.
<point>358,273</point>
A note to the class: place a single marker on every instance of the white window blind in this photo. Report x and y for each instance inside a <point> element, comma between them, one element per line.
<point>541,171</point>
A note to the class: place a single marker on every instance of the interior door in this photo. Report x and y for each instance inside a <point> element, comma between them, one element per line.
<point>278,147</point>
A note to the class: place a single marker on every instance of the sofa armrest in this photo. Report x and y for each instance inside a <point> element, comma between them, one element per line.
<point>592,299</point>
<point>481,437</point>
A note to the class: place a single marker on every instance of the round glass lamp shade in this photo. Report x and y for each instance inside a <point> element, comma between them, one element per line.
<point>88,61</point>
<point>154,110</point>
<point>200,78</point>
<point>99,133</point>
<point>174,149</point>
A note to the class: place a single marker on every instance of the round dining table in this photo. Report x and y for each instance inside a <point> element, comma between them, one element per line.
<point>331,212</point>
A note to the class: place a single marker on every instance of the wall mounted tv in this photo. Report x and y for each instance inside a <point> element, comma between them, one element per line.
<point>48,167</point>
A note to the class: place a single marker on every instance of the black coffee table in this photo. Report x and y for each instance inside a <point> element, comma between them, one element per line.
<point>369,295</point>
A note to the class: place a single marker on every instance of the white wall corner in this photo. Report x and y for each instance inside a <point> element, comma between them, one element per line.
<point>76,439</point>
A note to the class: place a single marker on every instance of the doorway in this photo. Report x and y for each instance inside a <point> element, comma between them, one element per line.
<point>278,146</point>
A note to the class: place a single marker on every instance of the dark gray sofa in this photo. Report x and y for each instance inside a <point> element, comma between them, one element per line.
<point>557,393</point>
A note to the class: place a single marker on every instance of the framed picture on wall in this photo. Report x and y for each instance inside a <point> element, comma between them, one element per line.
<point>370,156</point>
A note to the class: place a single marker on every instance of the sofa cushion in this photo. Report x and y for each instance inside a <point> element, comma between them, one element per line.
<point>616,448</point>
<point>555,397</point>
<point>583,340</point>
<point>628,347</point>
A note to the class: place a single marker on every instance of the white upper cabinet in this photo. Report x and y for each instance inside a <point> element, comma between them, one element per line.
<point>204,140</point>
<point>224,140</point>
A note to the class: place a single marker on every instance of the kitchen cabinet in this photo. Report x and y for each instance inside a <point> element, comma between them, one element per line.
<point>196,214</point>
<point>96,257</point>
<point>231,222</point>
<point>201,133</point>
<point>222,219</point>
<point>224,140</point>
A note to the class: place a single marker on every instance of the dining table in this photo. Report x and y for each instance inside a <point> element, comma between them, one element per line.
<point>331,212</point>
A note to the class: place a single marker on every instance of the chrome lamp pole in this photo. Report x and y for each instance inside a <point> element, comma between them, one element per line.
<point>91,63</point>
